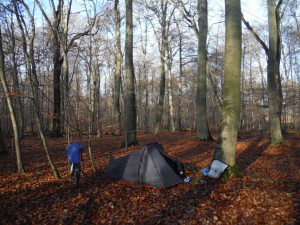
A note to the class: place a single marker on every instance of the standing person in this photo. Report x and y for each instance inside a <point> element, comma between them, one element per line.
<point>74,152</point>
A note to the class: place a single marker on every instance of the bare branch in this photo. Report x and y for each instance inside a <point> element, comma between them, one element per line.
<point>187,16</point>
<point>263,44</point>
<point>77,36</point>
<point>44,14</point>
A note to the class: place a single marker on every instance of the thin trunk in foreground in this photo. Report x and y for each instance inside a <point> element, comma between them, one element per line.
<point>31,69</point>
<point>11,110</point>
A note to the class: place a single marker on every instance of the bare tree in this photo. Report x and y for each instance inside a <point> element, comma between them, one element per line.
<point>169,86</point>
<point>226,146</point>
<point>11,109</point>
<point>16,85</point>
<point>160,10</point>
<point>180,94</point>
<point>118,70</point>
<point>60,46</point>
<point>202,124</point>
<point>54,27</point>
<point>31,69</point>
<point>274,80</point>
<point>203,132</point>
<point>144,69</point>
<point>129,86</point>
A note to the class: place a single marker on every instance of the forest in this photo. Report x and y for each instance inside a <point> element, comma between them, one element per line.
<point>208,80</point>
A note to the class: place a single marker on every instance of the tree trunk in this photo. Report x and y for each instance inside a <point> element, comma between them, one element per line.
<point>243,105</point>
<point>278,54</point>
<point>145,69</point>
<point>118,71</point>
<point>96,95</point>
<point>226,146</point>
<point>179,121</point>
<point>274,88</point>
<point>162,84</point>
<point>57,64</point>
<point>2,146</point>
<point>129,92</point>
<point>203,133</point>
<point>274,81</point>
<point>11,110</point>
<point>253,122</point>
<point>146,105</point>
<point>90,141</point>
<point>65,107</point>
<point>57,61</point>
<point>19,106</point>
<point>170,94</point>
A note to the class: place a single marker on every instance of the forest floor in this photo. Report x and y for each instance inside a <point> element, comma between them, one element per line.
<point>267,194</point>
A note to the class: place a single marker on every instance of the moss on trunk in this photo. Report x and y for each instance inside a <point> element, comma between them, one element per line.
<point>231,171</point>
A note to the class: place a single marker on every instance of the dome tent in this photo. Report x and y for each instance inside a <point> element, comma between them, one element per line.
<point>150,165</point>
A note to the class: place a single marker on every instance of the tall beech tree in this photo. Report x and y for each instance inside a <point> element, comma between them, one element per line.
<point>274,83</point>
<point>180,94</point>
<point>118,70</point>
<point>57,57</point>
<point>144,74</point>
<point>169,63</point>
<point>203,133</point>
<point>129,86</point>
<point>273,67</point>
<point>226,145</point>
<point>162,17</point>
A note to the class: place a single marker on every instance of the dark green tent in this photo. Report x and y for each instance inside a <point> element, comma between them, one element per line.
<point>149,166</point>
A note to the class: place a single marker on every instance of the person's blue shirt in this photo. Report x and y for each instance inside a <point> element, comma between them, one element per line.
<point>74,151</point>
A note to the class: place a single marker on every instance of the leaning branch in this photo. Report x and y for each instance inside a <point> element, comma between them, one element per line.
<point>77,36</point>
<point>44,14</point>
<point>263,44</point>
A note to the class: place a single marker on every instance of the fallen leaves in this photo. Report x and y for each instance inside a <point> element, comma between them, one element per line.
<point>269,195</point>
